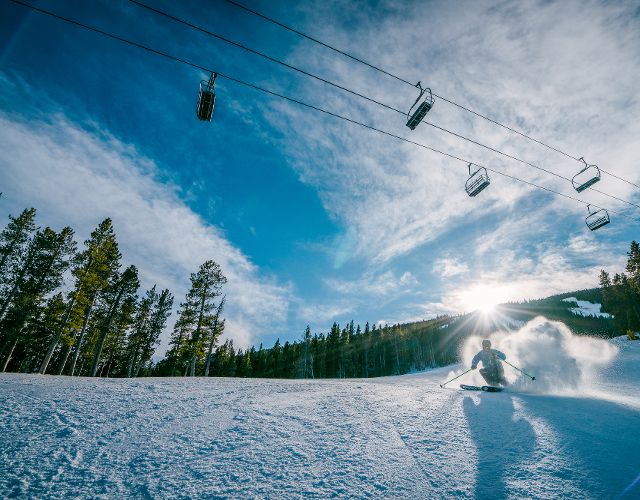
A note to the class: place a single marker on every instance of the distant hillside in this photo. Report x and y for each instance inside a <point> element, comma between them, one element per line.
<point>557,308</point>
<point>355,352</point>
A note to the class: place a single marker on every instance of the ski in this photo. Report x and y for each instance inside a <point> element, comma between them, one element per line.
<point>485,388</point>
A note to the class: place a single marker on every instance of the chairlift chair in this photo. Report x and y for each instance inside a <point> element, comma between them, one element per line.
<point>206,98</point>
<point>588,176</point>
<point>477,181</point>
<point>424,107</point>
<point>595,220</point>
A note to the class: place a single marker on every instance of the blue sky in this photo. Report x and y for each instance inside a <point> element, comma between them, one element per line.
<point>315,220</point>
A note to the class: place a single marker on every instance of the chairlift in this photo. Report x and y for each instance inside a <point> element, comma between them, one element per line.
<point>206,98</point>
<point>595,220</point>
<point>477,181</point>
<point>424,107</point>
<point>588,176</point>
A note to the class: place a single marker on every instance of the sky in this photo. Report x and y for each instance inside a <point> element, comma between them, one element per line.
<point>314,219</point>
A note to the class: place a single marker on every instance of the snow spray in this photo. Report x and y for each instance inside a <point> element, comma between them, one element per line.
<point>559,360</point>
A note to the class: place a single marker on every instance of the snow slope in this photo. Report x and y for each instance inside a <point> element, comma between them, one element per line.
<point>586,308</point>
<point>395,437</point>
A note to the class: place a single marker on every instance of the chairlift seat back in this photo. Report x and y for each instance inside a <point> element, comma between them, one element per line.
<point>587,177</point>
<point>206,103</point>
<point>477,182</point>
<point>597,219</point>
<point>419,114</point>
<point>416,117</point>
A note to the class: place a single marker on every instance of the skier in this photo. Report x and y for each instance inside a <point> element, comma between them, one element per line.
<point>493,372</point>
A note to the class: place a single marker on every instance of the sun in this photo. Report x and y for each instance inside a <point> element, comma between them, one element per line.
<point>483,298</point>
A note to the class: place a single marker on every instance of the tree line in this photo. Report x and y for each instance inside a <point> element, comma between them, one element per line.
<point>347,352</point>
<point>100,326</point>
<point>621,293</point>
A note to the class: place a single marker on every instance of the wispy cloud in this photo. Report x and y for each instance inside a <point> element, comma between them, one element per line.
<point>526,269</point>
<point>319,316</point>
<point>448,267</point>
<point>538,67</point>
<point>373,284</point>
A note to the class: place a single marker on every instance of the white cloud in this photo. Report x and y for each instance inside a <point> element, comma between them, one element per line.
<point>373,284</point>
<point>320,316</point>
<point>346,297</point>
<point>448,267</point>
<point>432,309</point>
<point>408,279</point>
<point>76,177</point>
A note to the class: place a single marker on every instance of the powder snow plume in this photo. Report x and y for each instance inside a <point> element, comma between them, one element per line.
<point>559,360</point>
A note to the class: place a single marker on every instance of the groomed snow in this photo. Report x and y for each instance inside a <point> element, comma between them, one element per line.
<point>394,437</point>
<point>586,308</point>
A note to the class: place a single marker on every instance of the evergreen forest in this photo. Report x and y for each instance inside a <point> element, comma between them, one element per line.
<point>70,310</point>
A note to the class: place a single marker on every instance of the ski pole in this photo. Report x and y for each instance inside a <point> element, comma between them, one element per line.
<point>522,371</point>
<point>442,385</point>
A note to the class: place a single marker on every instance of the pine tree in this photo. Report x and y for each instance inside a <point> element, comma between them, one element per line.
<point>217,328</point>
<point>307,355</point>
<point>39,330</point>
<point>319,349</point>
<point>98,263</point>
<point>274,359</point>
<point>259,361</point>
<point>114,347</point>
<point>176,356</point>
<point>366,343</point>
<point>206,285</point>
<point>151,318</point>
<point>633,268</point>
<point>19,274</point>
<point>159,317</point>
<point>224,360</point>
<point>621,294</point>
<point>332,351</point>
<point>247,367</point>
<point>122,287</point>
<point>41,273</point>
<point>139,328</point>
<point>13,239</point>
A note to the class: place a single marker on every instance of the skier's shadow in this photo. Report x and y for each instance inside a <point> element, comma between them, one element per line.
<point>501,440</point>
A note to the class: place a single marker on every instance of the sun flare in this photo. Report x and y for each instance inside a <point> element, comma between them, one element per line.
<point>483,298</point>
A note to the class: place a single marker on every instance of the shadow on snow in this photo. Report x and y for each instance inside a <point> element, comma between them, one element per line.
<point>541,445</point>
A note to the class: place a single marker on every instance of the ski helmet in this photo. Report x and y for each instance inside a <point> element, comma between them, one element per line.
<point>486,343</point>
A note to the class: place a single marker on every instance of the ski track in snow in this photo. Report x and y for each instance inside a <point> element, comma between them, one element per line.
<point>393,437</point>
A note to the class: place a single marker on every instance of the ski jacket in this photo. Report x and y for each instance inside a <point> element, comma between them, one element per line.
<point>489,358</point>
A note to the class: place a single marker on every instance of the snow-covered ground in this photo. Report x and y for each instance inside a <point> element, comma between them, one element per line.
<point>586,308</point>
<point>395,437</point>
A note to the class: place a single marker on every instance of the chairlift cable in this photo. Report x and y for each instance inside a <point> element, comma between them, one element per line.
<point>560,176</point>
<point>310,106</point>
<point>353,92</point>
<point>261,54</point>
<point>449,101</point>
<point>346,54</point>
